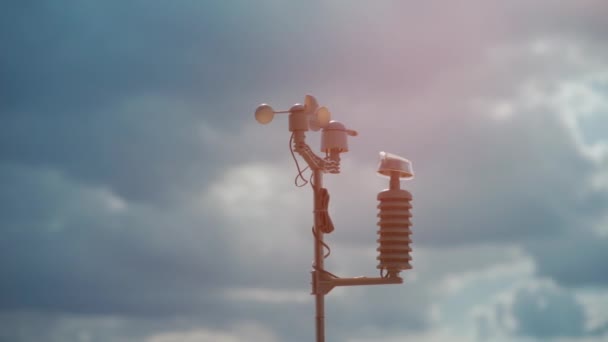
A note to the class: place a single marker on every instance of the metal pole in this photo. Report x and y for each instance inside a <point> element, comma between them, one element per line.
<point>319,268</point>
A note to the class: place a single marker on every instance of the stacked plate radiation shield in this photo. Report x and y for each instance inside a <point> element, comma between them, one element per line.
<point>394,233</point>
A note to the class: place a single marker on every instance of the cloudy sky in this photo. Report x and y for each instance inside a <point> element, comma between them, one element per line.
<point>142,202</point>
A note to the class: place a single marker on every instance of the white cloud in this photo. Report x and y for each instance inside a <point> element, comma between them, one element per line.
<point>516,266</point>
<point>437,335</point>
<point>256,191</point>
<point>242,332</point>
<point>572,86</point>
<point>267,295</point>
<point>195,336</point>
<point>595,302</point>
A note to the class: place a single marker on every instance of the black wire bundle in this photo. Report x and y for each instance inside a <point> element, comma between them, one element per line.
<point>325,223</point>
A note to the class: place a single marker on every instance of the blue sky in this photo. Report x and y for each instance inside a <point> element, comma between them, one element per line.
<point>142,202</point>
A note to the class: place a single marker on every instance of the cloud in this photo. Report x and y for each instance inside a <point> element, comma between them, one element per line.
<point>546,313</point>
<point>137,185</point>
<point>82,249</point>
<point>134,148</point>
<point>243,332</point>
<point>539,310</point>
<point>490,180</point>
<point>573,260</point>
<point>95,54</point>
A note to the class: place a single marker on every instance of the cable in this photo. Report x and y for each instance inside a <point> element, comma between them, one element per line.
<point>314,266</point>
<point>299,175</point>
<point>300,171</point>
<point>314,233</point>
<point>325,223</point>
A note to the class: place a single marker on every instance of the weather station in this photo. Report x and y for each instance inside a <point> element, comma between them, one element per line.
<point>394,208</point>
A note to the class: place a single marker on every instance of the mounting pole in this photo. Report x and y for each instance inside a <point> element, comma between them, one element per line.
<point>319,258</point>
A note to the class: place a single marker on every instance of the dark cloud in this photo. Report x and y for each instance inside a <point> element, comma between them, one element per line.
<point>575,259</point>
<point>543,312</point>
<point>546,313</point>
<point>74,57</point>
<point>66,247</point>
<point>142,155</point>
